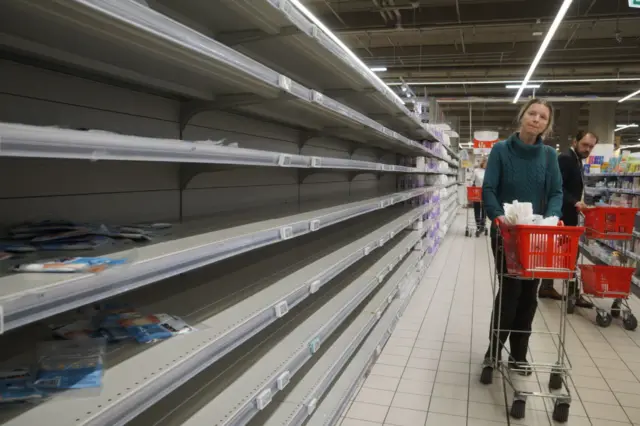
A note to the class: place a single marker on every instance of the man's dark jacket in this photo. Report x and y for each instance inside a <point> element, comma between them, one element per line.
<point>572,185</point>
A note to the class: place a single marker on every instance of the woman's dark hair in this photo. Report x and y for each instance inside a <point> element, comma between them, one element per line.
<point>582,133</point>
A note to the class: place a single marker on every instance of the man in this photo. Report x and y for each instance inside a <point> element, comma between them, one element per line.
<point>572,172</point>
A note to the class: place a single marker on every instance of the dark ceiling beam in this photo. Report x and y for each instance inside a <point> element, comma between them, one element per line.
<point>510,72</point>
<point>472,13</point>
<point>505,51</point>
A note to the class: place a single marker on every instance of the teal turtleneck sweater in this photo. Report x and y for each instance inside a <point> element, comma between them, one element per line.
<point>527,173</point>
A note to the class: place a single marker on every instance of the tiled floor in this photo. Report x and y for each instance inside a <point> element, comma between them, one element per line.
<point>427,374</point>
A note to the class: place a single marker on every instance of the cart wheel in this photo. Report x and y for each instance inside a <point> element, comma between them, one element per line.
<point>555,381</point>
<point>571,304</point>
<point>486,232</point>
<point>615,308</point>
<point>561,412</point>
<point>630,322</point>
<point>486,377</point>
<point>466,232</point>
<point>603,319</point>
<point>478,232</point>
<point>518,409</point>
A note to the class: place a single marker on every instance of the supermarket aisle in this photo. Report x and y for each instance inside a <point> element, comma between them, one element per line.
<point>428,372</point>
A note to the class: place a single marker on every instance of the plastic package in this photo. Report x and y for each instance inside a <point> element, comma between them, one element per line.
<point>17,386</point>
<point>69,264</point>
<point>70,365</point>
<point>150,328</point>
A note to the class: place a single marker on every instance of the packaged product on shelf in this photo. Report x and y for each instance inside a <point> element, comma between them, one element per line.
<point>69,265</point>
<point>70,365</point>
<point>76,330</point>
<point>17,386</point>
<point>150,328</point>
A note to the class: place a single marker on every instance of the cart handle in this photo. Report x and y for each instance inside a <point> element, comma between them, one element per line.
<point>498,221</point>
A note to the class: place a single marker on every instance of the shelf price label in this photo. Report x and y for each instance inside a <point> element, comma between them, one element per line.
<point>284,82</point>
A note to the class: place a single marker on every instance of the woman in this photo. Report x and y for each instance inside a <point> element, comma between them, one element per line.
<point>478,178</point>
<point>520,168</point>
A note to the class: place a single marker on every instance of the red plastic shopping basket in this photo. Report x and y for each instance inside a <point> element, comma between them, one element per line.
<point>612,223</point>
<point>613,282</point>
<point>474,194</point>
<point>541,251</point>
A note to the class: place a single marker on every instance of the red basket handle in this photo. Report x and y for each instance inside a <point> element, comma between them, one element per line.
<point>498,221</point>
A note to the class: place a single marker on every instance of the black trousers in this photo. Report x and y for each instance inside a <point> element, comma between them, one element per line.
<point>480,215</point>
<point>513,310</point>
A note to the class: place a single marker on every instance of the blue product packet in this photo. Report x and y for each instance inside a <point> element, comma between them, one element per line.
<point>68,365</point>
<point>149,328</point>
<point>17,386</point>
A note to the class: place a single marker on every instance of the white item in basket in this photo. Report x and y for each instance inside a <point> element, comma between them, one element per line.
<point>518,213</point>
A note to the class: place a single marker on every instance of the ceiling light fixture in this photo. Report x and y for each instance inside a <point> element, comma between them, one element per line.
<point>488,82</point>
<point>637,92</point>
<point>625,126</point>
<point>378,69</point>
<point>306,12</point>
<point>543,47</point>
<point>517,86</point>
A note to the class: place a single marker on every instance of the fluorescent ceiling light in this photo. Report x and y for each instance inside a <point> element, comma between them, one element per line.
<point>488,82</point>
<point>637,92</point>
<point>378,69</point>
<point>517,86</point>
<point>626,126</point>
<point>306,12</point>
<point>543,46</point>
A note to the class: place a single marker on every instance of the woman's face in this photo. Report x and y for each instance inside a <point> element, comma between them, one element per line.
<point>535,119</point>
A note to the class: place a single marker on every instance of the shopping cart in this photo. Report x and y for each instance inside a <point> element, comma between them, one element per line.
<point>533,252</point>
<point>611,224</point>
<point>474,195</point>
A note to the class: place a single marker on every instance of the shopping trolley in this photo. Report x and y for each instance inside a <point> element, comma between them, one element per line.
<point>474,195</point>
<point>609,281</point>
<point>533,252</point>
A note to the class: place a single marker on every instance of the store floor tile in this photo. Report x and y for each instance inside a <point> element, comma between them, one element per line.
<point>428,372</point>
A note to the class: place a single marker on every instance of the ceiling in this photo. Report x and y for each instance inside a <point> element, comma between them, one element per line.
<point>431,41</point>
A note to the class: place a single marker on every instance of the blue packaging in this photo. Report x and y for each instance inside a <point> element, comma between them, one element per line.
<point>70,365</point>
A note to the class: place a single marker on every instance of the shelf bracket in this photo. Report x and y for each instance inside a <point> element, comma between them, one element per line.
<point>303,174</point>
<point>352,175</point>
<point>187,172</point>
<point>189,109</point>
<point>304,137</point>
<point>235,38</point>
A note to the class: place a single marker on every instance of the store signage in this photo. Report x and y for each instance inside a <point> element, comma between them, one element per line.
<point>634,3</point>
<point>483,141</point>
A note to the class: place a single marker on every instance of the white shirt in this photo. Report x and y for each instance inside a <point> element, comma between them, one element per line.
<point>478,177</point>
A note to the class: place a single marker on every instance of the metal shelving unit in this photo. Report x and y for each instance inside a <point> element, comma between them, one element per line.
<point>301,402</point>
<point>328,411</point>
<point>268,289</point>
<point>599,191</point>
<point>28,299</point>
<point>22,141</point>
<point>159,53</point>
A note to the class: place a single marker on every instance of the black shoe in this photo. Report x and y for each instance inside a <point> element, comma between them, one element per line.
<point>523,368</point>
<point>549,294</point>
<point>581,302</point>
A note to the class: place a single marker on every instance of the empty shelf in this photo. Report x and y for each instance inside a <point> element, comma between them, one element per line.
<point>255,388</point>
<point>302,400</point>
<point>257,295</point>
<point>131,42</point>
<point>29,297</point>
<point>49,142</point>
<point>328,411</point>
